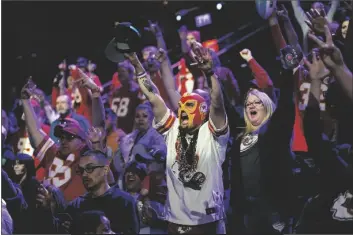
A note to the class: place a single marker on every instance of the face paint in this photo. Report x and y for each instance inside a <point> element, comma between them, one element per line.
<point>192,110</point>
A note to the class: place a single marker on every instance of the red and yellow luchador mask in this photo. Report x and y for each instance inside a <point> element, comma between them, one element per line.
<point>192,110</point>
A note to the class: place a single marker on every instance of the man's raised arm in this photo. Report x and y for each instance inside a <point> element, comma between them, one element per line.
<point>204,62</point>
<point>32,125</point>
<point>148,88</point>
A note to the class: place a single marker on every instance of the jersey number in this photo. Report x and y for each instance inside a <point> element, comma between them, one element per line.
<point>120,106</point>
<point>58,173</point>
<point>305,92</point>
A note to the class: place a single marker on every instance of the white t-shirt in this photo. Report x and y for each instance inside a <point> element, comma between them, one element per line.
<point>202,202</point>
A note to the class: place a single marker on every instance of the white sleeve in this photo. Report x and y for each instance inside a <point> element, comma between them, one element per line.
<point>222,134</point>
<point>164,125</point>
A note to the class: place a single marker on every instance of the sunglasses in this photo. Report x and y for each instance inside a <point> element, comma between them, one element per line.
<point>68,136</point>
<point>88,169</point>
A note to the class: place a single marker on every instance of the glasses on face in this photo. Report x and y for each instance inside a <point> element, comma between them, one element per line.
<point>89,169</point>
<point>256,103</point>
<point>67,136</point>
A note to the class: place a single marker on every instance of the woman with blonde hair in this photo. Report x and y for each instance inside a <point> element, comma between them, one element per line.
<point>261,171</point>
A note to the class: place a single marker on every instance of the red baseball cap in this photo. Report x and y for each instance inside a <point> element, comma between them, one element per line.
<point>71,126</point>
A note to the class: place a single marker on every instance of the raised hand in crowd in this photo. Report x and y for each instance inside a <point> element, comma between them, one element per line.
<point>283,13</point>
<point>154,28</point>
<point>96,137</point>
<point>202,57</point>
<point>183,32</point>
<point>83,79</point>
<point>329,53</point>
<point>317,20</point>
<point>316,68</point>
<point>246,55</point>
<point>332,57</point>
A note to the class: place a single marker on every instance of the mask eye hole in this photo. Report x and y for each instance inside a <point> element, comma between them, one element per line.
<point>190,104</point>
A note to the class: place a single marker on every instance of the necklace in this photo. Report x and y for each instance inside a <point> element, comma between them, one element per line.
<point>188,160</point>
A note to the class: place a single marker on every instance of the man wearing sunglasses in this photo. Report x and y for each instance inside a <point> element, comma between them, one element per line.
<point>59,160</point>
<point>118,206</point>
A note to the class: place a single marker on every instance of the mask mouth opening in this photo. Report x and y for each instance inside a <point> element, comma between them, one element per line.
<point>184,116</point>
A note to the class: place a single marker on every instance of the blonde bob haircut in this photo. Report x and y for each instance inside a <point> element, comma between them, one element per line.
<point>269,106</point>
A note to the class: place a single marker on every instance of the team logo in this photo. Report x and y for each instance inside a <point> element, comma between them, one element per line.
<point>248,141</point>
<point>341,208</point>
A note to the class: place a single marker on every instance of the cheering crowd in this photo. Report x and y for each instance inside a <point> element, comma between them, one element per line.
<point>190,153</point>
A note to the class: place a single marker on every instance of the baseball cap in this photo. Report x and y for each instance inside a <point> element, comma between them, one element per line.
<point>71,126</point>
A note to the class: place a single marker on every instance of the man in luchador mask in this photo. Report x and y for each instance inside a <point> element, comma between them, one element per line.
<point>196,140</point>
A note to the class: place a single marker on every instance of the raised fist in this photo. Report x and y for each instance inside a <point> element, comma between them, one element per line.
<point>246,55</point>
<point>183,32</point>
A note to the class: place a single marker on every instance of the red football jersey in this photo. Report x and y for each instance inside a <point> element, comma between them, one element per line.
<point>60,170</point>
<point>304,89</point>
<point>124,102</point>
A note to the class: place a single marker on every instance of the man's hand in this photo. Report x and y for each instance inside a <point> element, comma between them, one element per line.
<point>161,55</point>
<point>83,80</point>
<point>283,13</point>
<point>201,56</point>
<point>246,55</point>
<point>330,55</point>
<point>43,197</point>
<point>317,69</point>
<point>183,32</point>
<point>154,28</point>
<point>317,20</point>
<point>95,135</point>
<point>28,89</point>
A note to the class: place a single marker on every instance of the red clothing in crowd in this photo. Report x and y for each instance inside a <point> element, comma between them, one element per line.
<point>299,143</point>
<point>60,170</point>
<point>182,77</point>
<point>115,82</point>
<point>82,100</point>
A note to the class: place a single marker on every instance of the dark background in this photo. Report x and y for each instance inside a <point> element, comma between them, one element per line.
<point>58,30</point>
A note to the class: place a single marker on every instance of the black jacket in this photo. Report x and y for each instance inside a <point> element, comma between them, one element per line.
<point>275,156</point>
<point>119,207</point>
<point>327,212</point>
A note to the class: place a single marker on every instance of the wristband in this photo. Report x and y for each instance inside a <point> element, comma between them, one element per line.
<point>96,94</point>
<point>141,75</point>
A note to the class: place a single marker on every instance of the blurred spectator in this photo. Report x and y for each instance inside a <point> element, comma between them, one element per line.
<point>6,220</point>
<point>23,173</point>
<point>63,107</point>
<point>93,222</point>
<point>125,99</point>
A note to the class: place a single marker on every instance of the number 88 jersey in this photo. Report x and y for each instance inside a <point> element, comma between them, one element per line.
<point>124,102</point>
